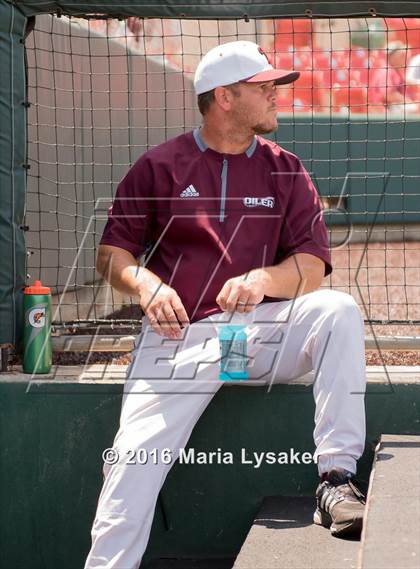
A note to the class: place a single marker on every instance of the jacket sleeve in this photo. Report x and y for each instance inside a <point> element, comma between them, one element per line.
<point>130,218</point>
<point>304,229</point>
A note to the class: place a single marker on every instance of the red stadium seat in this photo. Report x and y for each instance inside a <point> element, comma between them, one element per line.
<point>343,78</point>
<point>405,30</point>
<point>296,33</point>
<point>353,98</point>
<point>306,91</point>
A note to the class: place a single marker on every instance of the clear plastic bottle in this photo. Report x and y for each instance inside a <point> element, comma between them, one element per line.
<point>233,349</point>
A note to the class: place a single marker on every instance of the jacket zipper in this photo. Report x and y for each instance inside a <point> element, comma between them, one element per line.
<point>223,196</point>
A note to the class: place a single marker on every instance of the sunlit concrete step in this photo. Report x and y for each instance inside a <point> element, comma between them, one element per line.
<point>391,536</point>
<point>283,536</point>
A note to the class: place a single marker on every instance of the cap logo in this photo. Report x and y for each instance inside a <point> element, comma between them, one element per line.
<point>260,49</point>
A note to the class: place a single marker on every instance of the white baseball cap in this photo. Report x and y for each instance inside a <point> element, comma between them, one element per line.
<point>237,61</point>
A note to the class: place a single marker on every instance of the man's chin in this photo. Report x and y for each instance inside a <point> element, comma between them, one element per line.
<point>264,128</point>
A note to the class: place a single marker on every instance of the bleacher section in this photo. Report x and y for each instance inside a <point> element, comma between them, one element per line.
<point>346,78</point>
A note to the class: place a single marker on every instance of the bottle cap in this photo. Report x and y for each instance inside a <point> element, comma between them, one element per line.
<point>37,288</point>
<point>238,319</point>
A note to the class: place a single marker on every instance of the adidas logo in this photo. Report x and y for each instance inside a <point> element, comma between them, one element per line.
<point>189,192</point>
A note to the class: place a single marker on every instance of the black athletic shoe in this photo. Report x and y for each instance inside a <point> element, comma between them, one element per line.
<point>340,504</point>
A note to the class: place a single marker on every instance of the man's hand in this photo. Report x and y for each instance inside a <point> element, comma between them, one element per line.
<point>159,302</point>
<point>243,293</point>
<point>163,307</point>
<point>298,274</point>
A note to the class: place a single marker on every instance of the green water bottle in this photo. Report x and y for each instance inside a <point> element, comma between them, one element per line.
<point>37,354</point>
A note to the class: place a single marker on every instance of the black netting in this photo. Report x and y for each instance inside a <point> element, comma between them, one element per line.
<point>102,92</point>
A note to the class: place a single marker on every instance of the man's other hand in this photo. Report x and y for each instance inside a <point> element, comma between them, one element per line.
<point>243,293</point>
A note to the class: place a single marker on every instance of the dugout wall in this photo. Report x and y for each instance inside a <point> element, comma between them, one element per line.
<point>16,20</point>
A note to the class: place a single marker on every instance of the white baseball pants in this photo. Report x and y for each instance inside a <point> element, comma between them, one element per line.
<point>170,383</point>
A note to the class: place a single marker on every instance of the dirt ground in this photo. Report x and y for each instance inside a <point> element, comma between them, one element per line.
<point>373,358</point>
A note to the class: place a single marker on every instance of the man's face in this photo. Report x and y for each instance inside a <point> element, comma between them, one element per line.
<point>254,107</point>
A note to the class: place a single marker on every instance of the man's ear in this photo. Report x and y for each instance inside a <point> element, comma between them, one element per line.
<point>223,98</point>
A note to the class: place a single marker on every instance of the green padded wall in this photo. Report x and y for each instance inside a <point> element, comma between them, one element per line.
<point>12,170</point>
<point>52,435</point>
<point>373,163</point>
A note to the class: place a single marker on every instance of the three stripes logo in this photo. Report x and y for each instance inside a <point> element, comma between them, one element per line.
<point>189,192</point>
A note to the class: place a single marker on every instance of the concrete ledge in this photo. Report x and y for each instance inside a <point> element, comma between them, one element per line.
<point>391,536</point>
<point>125,343</point>
<point>112,373</point>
